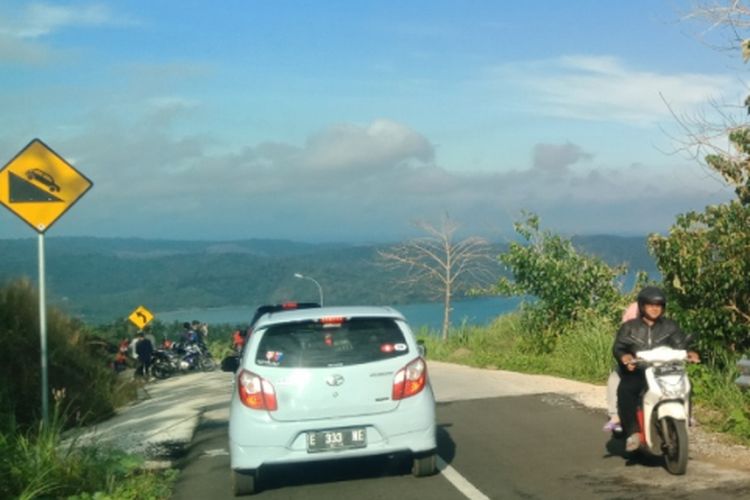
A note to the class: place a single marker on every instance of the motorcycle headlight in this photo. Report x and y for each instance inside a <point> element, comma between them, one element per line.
<point>675,388</point>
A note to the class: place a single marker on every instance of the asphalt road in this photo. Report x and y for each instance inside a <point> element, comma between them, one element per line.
<point>535,446</point>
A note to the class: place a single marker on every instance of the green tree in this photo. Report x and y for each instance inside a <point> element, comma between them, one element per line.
<point>705,257</point>
<point>566,284</point>
<point>705,263</point>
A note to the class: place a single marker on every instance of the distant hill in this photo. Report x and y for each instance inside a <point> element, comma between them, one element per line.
<point>615,250</point>
<point>101,279</point>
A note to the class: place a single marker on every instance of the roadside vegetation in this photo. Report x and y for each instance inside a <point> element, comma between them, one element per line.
<point>33,461</point>
<point>567,326</point>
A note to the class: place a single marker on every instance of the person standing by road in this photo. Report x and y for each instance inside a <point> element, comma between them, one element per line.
<point>144,348</point>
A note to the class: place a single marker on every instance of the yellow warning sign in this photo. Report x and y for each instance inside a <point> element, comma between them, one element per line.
<point>38,185</point>
<point>141,317</point>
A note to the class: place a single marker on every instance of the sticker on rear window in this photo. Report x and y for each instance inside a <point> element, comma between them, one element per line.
<point>274,356</point>
<point>386,348</point>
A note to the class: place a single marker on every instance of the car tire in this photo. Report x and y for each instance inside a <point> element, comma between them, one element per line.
<point>424,465</point>
<point>244,482</point>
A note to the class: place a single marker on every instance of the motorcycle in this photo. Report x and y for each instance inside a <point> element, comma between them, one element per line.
<point>664,413</point>
<point>181,358</point>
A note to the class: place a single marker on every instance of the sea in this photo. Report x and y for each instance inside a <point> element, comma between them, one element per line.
<point>478,311</point>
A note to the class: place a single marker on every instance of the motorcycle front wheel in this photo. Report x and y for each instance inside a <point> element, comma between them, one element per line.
<point>207,364</point>
<point>676,446</point>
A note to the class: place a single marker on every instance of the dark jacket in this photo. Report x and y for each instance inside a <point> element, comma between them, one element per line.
<point>144,348</point>
<point>635,335</point>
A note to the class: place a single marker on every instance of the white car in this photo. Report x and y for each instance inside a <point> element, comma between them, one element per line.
<point>329,383</point>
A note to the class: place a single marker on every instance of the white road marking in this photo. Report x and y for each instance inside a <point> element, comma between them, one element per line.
<point>461,483</point>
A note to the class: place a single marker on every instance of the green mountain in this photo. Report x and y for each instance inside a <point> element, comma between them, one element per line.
<point>102,279</point>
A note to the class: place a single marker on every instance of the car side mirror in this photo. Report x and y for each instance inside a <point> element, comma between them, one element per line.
<point>422,348</point>
<point>230,363</point>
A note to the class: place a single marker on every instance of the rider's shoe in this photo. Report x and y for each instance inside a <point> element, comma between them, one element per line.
<point>612,426</point>
<point>633,442</point>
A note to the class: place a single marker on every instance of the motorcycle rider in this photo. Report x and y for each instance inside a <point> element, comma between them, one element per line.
<point>648,331</point>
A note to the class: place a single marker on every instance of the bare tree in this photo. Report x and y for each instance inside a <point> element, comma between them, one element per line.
<point>720,141</point>
<point>440,263</point>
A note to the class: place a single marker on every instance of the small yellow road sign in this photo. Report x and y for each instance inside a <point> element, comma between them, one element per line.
<point>141,317</point>
<point>38,185</point>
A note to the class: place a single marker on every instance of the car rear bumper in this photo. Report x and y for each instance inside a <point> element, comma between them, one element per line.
<point>411,428</point>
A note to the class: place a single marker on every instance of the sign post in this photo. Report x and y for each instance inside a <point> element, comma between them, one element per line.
<point>38,186</point>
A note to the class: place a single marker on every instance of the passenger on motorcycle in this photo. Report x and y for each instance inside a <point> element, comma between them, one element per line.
<point>648,331</point>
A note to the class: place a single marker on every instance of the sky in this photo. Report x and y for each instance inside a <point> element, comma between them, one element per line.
<point>348,121</point>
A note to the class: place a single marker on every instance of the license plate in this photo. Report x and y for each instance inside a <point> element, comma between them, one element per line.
<point>336,439</point>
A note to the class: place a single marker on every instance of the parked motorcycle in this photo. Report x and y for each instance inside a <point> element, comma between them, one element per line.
<point>664,413</point>
<point>181,358</point>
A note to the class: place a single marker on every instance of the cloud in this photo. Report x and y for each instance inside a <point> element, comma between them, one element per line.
<point>17,51</point>
<point>558,157</point>
<point>25,34</point>
<point>603,88</point>
<point>383,142</point>
<point>348,182</point>
<point>40,19</point>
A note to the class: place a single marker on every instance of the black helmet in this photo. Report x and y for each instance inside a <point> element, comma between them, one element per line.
<point>651,295</point>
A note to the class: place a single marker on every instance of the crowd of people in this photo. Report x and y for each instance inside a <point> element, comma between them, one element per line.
<point>139,350</point>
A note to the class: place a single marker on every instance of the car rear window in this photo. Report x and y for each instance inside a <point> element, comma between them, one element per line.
<point>331,342</point>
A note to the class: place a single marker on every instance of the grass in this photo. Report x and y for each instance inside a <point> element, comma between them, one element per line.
<point>505,344</point>
<point>34,464</point>
<point>584,353</point>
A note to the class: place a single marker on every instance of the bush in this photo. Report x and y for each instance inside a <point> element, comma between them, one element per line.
<point>77,363</point>
<point>567,286</point>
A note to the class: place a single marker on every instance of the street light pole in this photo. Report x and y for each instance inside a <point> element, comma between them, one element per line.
<point>320,288</point>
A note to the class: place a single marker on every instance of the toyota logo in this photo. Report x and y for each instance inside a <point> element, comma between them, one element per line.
<point>335,380</point>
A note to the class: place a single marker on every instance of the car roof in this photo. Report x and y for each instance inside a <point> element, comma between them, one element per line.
<point>322,312</point>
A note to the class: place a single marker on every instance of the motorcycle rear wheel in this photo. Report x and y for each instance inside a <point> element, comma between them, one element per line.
<point>676,446</point>
<point>161,371</point>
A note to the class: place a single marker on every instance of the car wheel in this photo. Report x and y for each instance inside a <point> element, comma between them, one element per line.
<point>424,465</point>
<point>244,482</point>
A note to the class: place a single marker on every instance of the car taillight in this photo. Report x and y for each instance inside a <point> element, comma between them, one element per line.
<point>409,380</point>
<point>256,392</point>
<point>332,320</point>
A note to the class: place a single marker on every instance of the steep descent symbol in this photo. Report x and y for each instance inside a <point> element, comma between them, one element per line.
<point>23,191</point>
